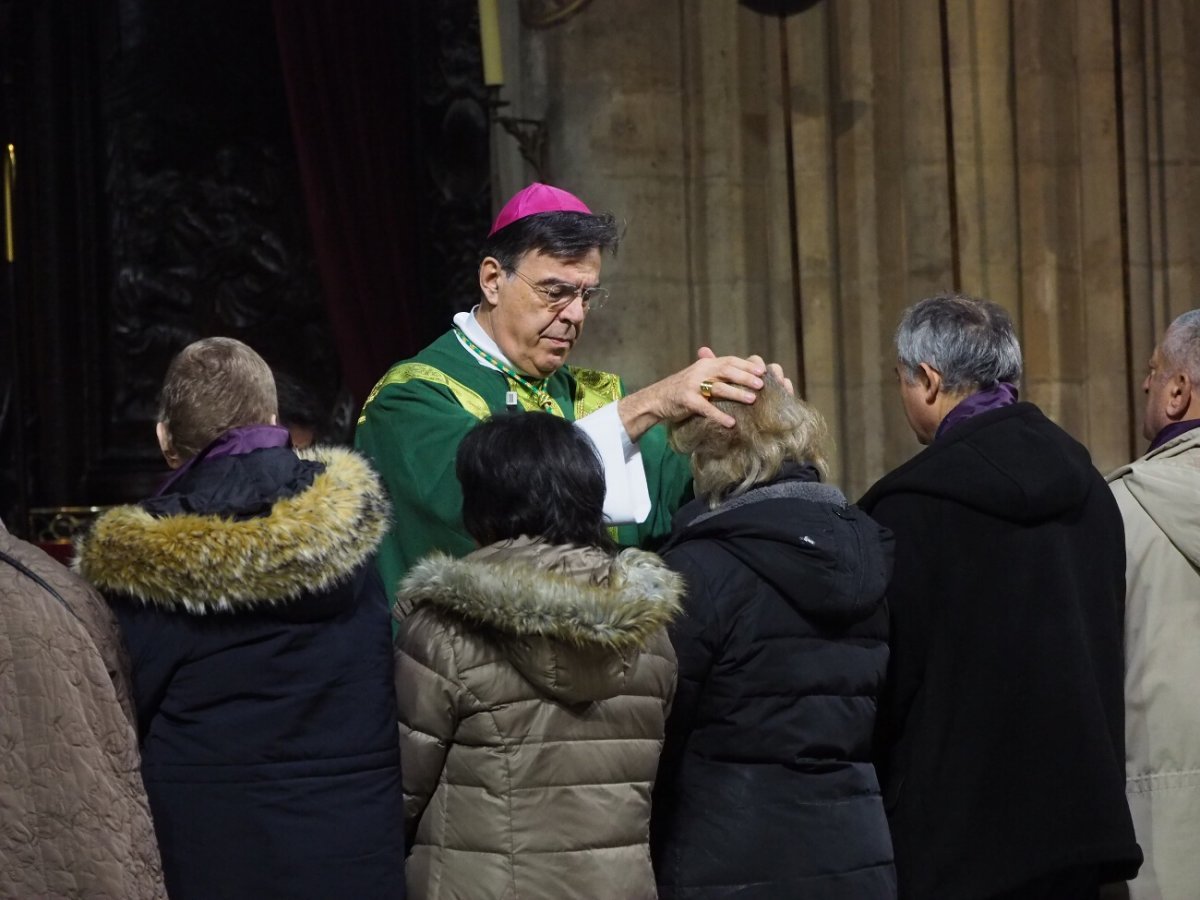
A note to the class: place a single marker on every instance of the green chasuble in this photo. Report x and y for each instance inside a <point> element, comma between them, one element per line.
<point>415,417</point>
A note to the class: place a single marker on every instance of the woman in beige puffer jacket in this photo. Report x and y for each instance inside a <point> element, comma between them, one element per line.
<point>533,679</point>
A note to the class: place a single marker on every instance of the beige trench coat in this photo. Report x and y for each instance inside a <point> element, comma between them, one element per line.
<point>1159,497</point>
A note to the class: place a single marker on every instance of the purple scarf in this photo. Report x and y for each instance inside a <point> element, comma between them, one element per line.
<point>1003,394</point>
<point>234,442</point>
<point>1174,430</point>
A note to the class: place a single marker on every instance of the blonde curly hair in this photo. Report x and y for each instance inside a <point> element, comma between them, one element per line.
<point>775,428</point>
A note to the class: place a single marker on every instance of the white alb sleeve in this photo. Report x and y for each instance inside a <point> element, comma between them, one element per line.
<point>626,496</point>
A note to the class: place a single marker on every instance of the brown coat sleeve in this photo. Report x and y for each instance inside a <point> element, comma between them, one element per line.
<point>429,698</point>
<point>74,819</point>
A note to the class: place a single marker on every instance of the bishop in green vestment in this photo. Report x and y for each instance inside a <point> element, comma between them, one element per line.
<point>412,424</point>
<point>539,279</point>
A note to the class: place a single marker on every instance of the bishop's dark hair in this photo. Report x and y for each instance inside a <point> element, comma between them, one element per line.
<point>532,474</point>
<point>563,235</point>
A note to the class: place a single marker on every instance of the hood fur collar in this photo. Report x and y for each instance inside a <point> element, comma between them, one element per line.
<point>309,542</point>
<point>618,608</point>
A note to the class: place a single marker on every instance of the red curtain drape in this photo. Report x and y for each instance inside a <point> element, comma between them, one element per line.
<point>346,67</point>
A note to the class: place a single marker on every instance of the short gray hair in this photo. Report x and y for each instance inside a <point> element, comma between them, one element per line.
<point>971,342</point>
<point>775,428</point>
<point>1181,345</point>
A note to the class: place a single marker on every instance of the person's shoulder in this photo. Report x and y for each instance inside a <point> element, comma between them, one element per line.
<point>592,390</point>
<point>414,623</point>
<point>32,565</point>
<point>429,363</point>
<point>903,484</point>
<point>1181,452</point>
<point>709,570</point>
<point>607,384</point>
<point>1166,478</point>
<point>342,469</point>
<point>22,555</point>
<point>55,596</point>
<point>887,506</point>
<point>1026,431</point>
<point>432,638</point>
<point>438,375</point>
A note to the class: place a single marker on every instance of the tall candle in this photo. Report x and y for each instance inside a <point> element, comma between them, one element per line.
<point>489,42</point>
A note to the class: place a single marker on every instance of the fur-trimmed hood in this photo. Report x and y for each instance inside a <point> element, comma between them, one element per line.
<point>307,543</point>
<point>572,618</point>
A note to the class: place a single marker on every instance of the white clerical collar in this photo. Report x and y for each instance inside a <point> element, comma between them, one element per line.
<point>470,326</point>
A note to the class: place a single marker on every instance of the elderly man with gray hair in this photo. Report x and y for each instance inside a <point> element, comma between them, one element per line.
<point>1000,739</point>
<point>1159,498</point>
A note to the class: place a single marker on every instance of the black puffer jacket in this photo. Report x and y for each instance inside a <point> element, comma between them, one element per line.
<point>261,658</point>
<point>765,788</point>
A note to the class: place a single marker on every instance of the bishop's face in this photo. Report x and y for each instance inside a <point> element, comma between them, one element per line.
<point>517,314</point>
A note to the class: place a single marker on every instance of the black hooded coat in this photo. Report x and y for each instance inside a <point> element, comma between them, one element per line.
<point>262,670</point>
<point>766,788</point>
<point>1001,742</point>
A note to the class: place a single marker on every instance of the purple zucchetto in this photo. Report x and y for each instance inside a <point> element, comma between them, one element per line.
<point>537,198</point>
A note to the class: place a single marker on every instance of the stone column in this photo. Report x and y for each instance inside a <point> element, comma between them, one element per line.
<point>1037,153</point>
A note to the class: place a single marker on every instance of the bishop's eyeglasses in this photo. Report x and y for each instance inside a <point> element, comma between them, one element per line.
<point>560,294</point>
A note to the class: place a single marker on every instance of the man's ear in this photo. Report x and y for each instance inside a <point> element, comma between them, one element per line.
<point>1179,396</point>
<point>930,380</point>
<point>490,274</point>
<point>166,446</point>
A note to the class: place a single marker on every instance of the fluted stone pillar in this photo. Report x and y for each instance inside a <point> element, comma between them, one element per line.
<point>1042,154</point>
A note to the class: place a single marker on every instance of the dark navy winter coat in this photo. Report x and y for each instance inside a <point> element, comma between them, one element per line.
<point>259,638</point>
<point>766,788</point>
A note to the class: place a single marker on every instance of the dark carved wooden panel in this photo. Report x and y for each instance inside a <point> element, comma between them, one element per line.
<point>160,202</point>
<point>456,149</point>
<point>204,212</point>
<point>44,388</point>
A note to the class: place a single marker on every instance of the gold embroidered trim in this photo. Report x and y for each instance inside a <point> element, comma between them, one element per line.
<point>405,372</point>
<point>593,390</point>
